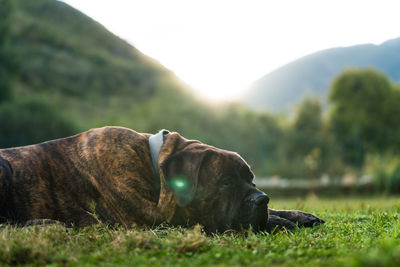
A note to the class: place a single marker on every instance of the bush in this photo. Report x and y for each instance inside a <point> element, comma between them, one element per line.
<point>32,120</point>
<point>385,171</point>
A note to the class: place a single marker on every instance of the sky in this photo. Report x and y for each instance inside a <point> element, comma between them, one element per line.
<point>219,47</point>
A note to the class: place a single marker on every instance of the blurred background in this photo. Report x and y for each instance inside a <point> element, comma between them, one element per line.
<point>318,119</point>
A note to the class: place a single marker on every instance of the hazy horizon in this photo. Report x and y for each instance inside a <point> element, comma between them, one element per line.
<point>220,48</point>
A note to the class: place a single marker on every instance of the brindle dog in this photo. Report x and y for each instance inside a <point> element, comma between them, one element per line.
<point>109,171</point>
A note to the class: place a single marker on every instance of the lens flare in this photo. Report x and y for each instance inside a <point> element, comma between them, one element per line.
<point>179,183</point>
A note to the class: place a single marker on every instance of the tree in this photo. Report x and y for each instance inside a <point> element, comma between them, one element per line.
<point>7,62</point>
<point>362,113</point>
<point>32,120</point>
<point>309,116</point>
<point>307,127</point>
<point>306,137</point>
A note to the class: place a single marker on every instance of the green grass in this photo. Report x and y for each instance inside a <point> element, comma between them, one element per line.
<point>358,232</point>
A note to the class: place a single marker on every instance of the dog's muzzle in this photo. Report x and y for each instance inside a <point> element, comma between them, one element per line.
<point>258,199</point>
<point>257,207</point>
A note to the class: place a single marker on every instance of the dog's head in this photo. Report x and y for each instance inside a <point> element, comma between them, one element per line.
<point>210,186</point>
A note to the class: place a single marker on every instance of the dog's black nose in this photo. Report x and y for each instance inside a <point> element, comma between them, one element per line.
<point>261,200</point>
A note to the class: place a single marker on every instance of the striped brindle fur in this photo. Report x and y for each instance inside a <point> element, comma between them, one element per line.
<point>107,174</point>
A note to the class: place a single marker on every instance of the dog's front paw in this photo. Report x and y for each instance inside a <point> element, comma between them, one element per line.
<point>301,219</point>
<point>307,219</point>
<point>276,223</point>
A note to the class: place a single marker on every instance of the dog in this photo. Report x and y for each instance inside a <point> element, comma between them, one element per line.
<point>118,176</point>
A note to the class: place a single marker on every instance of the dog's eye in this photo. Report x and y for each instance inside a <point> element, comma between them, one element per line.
<point>253,184</point>
<point>226,182</point>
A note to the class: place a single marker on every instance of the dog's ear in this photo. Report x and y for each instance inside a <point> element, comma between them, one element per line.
<point>181,172</point>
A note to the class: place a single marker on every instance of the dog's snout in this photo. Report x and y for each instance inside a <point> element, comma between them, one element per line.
<point>261,200</point>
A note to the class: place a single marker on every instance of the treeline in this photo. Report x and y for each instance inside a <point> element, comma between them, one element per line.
<point>61,73</point>
<point>363,120</point>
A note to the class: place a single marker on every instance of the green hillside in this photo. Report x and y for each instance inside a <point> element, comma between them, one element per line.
<point>63,52</point>
<point>92,76</point>
<point>312,75</point>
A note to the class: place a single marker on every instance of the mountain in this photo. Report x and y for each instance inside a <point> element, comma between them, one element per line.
<point>281,89</point>
<point>62,50</point>
<point>91,75</point>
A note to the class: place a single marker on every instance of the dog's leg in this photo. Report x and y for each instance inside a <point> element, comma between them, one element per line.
<point>276,223</point>
<point>297,217</point>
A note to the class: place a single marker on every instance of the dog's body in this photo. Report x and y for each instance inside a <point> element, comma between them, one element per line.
<point>109,172</point>
<point>60,179</point>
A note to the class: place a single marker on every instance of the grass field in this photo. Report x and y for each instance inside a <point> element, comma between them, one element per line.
<point>358,232</point>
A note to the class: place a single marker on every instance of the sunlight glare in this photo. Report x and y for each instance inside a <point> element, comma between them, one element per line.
<point>221,47</point>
